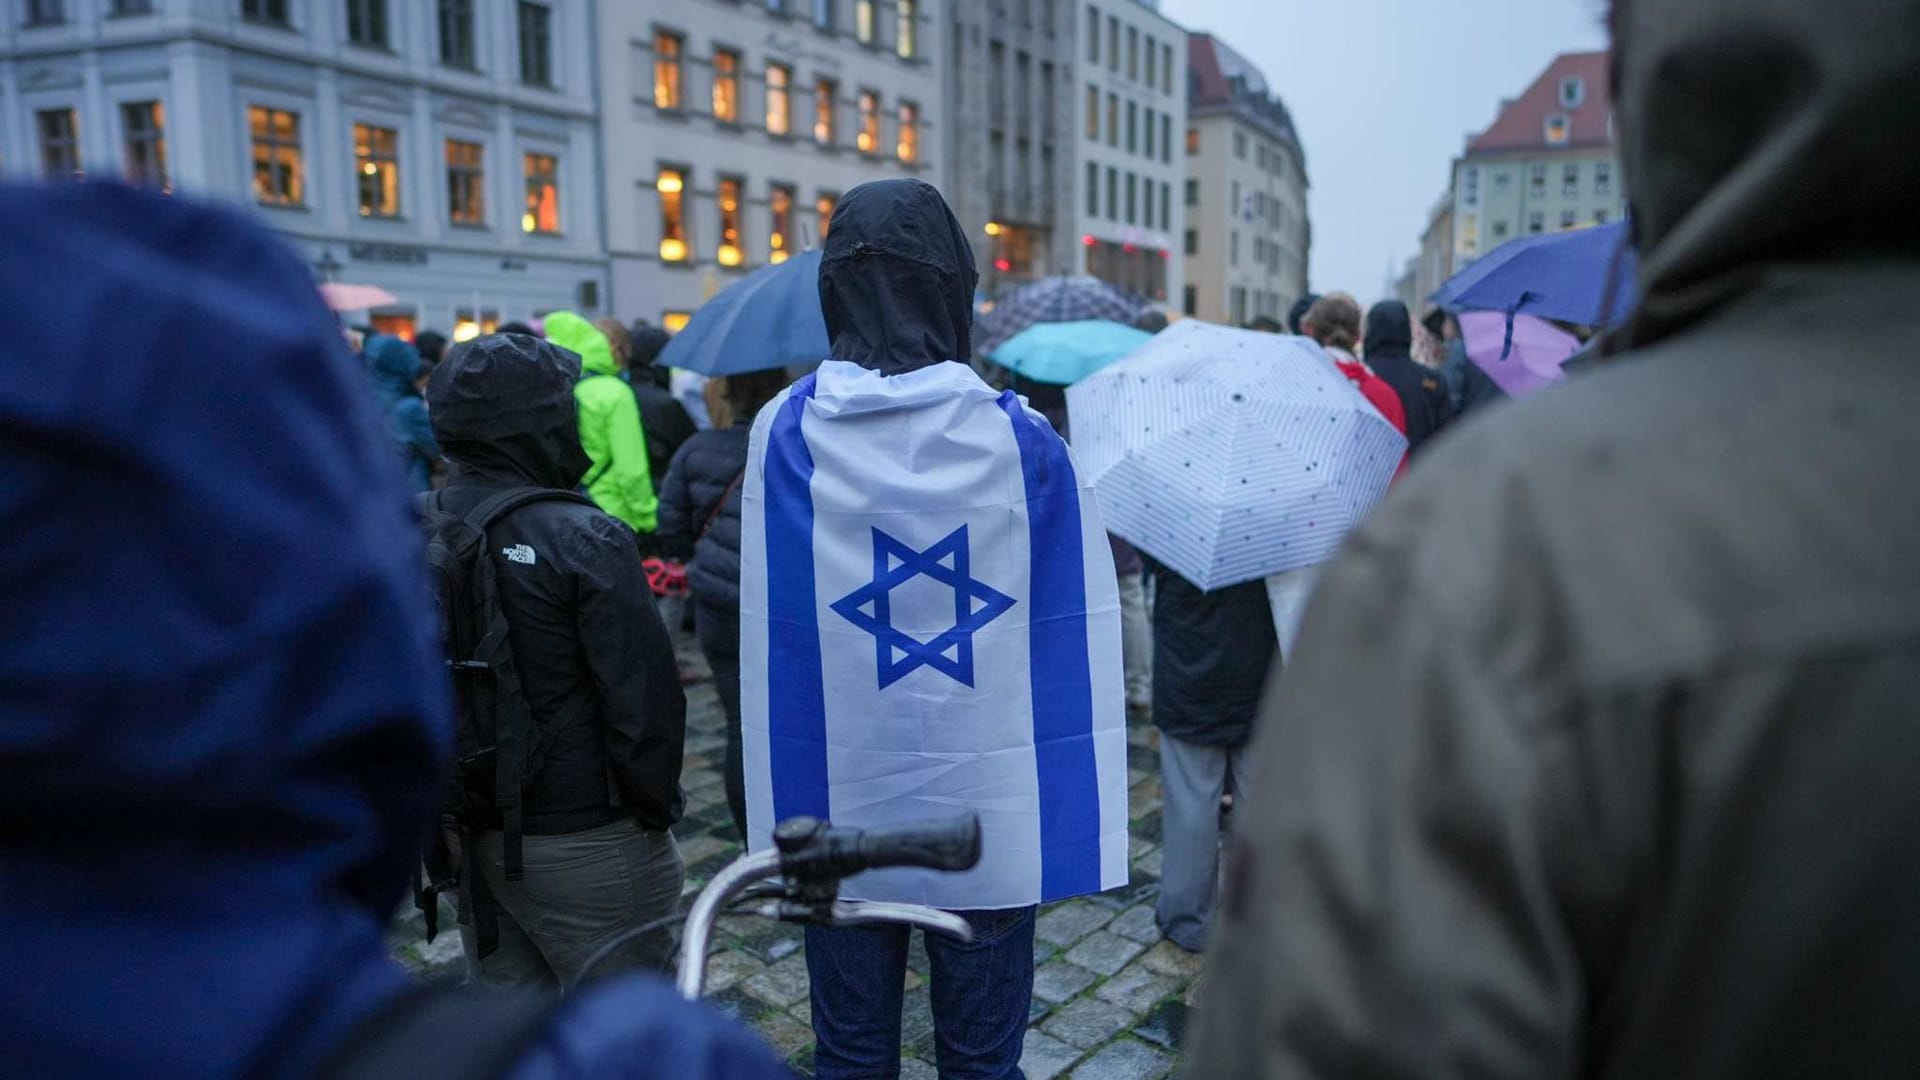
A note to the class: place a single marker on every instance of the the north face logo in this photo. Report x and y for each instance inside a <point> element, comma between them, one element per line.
<point>519,553</point>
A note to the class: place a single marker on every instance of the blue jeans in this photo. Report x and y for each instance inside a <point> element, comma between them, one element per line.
<point>982,991</point>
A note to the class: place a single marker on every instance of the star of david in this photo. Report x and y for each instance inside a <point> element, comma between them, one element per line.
<point>897,653</point>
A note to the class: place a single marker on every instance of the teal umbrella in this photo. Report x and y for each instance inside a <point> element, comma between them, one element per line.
<point>1064,353</point>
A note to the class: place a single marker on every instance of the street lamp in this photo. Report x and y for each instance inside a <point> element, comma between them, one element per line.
<point>328,265</point>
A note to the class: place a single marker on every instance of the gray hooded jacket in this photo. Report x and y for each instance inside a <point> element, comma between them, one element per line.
<point>1600,753</point>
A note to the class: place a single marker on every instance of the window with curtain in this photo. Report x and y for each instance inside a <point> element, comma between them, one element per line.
<point>541,173</point>
<point>666,70</point>
<point>823,106</point>
<point>729,253</point>
<point>726,86</point>
<point>279,171</point>
<point>779,99</point>
<point>908,146</point>
<point>907,29</point>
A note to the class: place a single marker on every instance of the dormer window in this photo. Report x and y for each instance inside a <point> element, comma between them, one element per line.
<point>1559,129</point>
<point>1573,93</point>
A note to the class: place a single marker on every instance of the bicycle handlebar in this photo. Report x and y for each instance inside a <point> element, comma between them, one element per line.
<point>812,850</point>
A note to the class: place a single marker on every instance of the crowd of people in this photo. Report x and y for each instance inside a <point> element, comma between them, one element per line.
<point>1592,755</point>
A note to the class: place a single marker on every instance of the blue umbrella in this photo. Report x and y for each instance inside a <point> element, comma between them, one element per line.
<point>1064,353</point>
<point>1052,300</point>
<point>1568,276</point>
<point>768,319</point>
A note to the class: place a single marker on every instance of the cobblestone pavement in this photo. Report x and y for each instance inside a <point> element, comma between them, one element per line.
<point>1110,997</point>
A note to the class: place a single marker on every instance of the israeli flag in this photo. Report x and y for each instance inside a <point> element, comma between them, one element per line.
<point>929,624</point>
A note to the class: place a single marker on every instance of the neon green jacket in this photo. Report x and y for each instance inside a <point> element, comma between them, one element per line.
<point>610,430</point>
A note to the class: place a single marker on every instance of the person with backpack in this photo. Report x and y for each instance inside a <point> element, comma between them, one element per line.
<point>700,522</point>
<point>569,714</point>
<point>226,705</point>
<point>620,479</point>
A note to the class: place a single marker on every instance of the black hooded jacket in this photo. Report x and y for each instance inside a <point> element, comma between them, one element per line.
<point>897,278</point>
<point>1389,352</point>
<point>664,419</point>
<point>582,617</point>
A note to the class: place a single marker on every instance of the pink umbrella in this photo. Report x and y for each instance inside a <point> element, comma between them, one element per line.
<point>343,297</point>
<point>1522,361</point>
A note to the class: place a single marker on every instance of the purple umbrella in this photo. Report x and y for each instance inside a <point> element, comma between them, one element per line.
<point>1522,360</point>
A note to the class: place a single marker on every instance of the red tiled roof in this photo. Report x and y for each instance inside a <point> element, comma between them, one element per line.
<point>1210,63</point>
<point>1522,123</point>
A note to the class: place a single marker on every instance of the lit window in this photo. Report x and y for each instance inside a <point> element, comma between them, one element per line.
<point>1193,141</point>
<point>780,242</point>
<point>823,210</point>
<point>144,127</point>
<point>726,86</point>
<point>59,144</point>
<point>823,94</point>
<point>666,70</point>
<point>779,99</point>
<point>376,161</point>
<point>868,140</point>
<point>672,185</point>
<point>863,21</point>
<point>1093,112</point>
<point>542,174</point>
<point>367,23</point>
<point>907,34</point>
<point>908,148</point>
<point>466,183</point>
<point>1559,129</point>
<point>278,172</point>
<point>536,44</point>
<point>675,321</point>
<point>729,253</point>
<point>467,325</point>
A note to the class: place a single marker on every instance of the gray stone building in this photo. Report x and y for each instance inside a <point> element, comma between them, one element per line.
<point>1009,84</point>
<point>732,127</point>
<point>442,149</point>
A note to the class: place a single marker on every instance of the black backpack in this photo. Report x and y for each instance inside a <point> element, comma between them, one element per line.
<point>498,745</point>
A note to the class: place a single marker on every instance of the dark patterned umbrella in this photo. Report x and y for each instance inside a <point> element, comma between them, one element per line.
<point>1053,300</point>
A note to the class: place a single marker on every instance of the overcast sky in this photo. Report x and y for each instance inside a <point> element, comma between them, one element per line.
<point>1384,93</point>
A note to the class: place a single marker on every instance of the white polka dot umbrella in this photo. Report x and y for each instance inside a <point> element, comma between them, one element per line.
<point>1230,455</point>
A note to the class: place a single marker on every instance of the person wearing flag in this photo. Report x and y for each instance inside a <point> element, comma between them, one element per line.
<point>929,625</point>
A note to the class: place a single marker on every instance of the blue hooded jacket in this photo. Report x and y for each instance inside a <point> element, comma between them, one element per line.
<point>222,702</point>
<point>395,366</point>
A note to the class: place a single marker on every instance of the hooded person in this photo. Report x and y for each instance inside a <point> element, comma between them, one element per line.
<point>620,479</point>
<point>1388,345</point>
<point>666,421</point>
<point>929,624</point>
<point>1598,755</point>
<point>224,698</point>
<point>595,664</point>
<point>395,367</point>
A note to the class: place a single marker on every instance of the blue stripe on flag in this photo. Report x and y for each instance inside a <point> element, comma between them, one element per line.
<point>1061,671</point>
<point>796,702</point>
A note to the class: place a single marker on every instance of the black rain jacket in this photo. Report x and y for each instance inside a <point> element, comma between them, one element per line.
<point>704,485</point>
<point>897,279</point>
<point>1422,391</point>
<point>586,635</point>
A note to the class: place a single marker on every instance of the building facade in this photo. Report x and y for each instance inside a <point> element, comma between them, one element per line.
<point>1130,90</point>
<point>441,149</point>
<point>731,128</point>
<point>1434,265</point>
<point>1009,80</point>
<point>1247,236</point>
<point>1546,164</point>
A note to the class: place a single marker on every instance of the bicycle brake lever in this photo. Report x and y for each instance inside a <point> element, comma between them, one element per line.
<point>860,912</point>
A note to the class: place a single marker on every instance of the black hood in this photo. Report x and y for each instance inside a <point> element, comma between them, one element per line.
<point>503,405</point>
<point>1763,133</point>
<point>1389,330</point>
<point>897,278</point>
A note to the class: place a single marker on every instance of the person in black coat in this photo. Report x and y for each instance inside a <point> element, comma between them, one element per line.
<point>1422,391</point>
<point>665,420</point>
<point>700,521</point>
<point>595,664</point>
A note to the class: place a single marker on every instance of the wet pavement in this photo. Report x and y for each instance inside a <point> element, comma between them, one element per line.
<point>1110,997</point>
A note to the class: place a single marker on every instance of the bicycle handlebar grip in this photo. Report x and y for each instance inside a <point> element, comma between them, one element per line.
<point>953,844</point>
